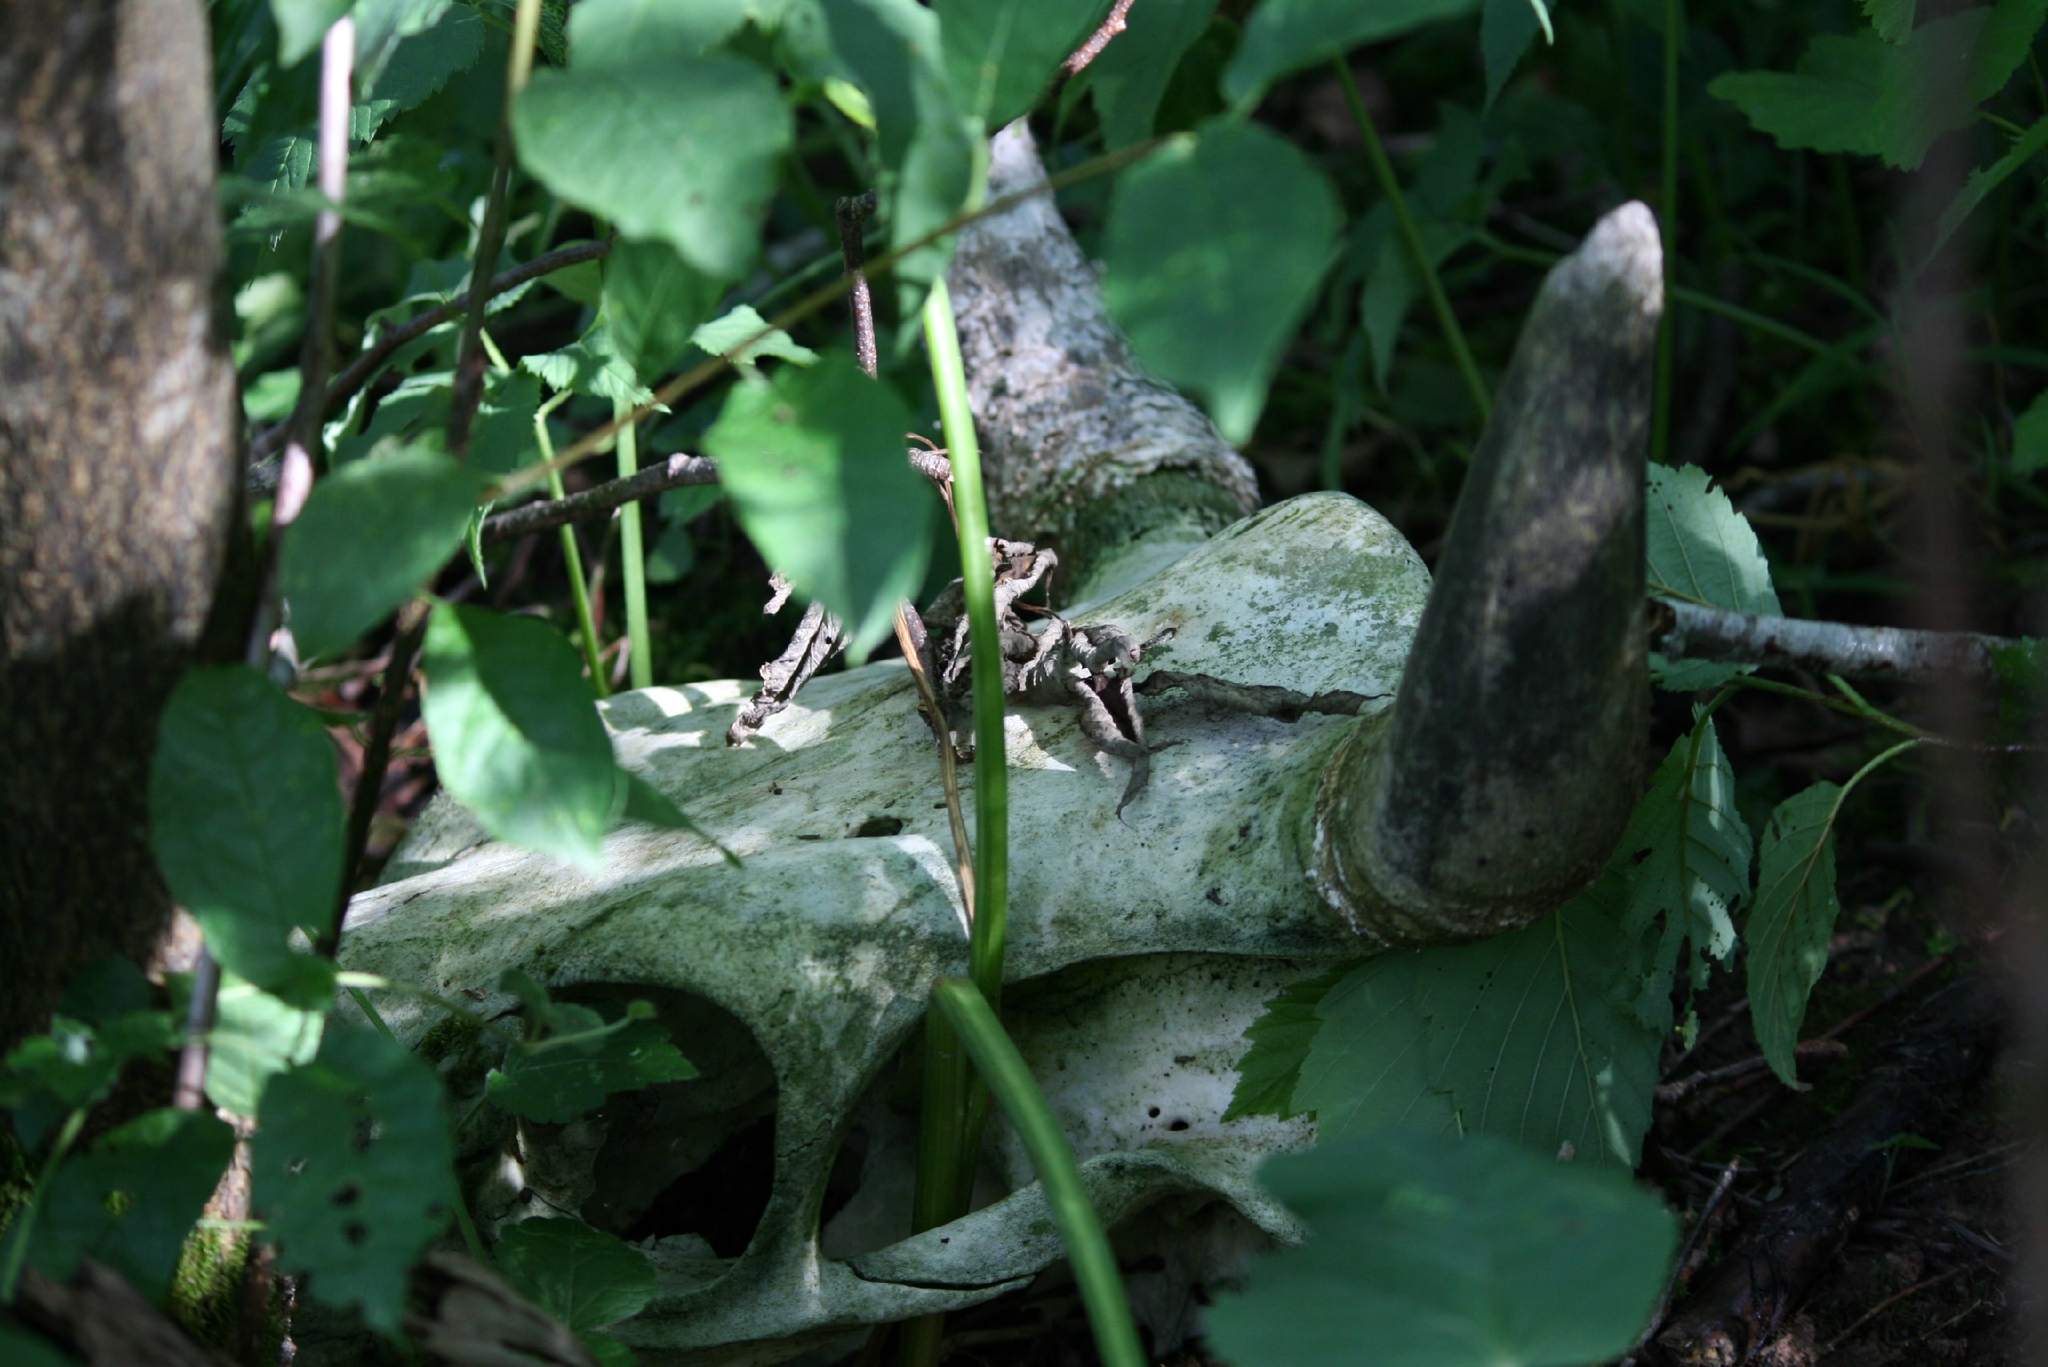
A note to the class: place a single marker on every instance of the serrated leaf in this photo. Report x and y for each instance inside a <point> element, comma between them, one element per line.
<point>246,824</point>
<point>131,1201</point>
<point>372,533</point>
<point>1506,28</point>
<point>582,1276</point>
<point>591,365</point>
<point>1687,853</point>
<point>1129,79</point>
<point>413,64</point>
<point>1279,1042</point>
<point>743,337</point>
<point>669,146</point>
<point>1787,937</point>
<point>352,1172</point>
<point>1701,550</point>
<point>1183,226</point>
<point>654,301</point>
<point>1286,35</point>
<point>1983,181</point>
<point>1431,1253</point>
<point>1000,55</point>
<point>1893,19</point>
<point>515,731</point>
<point>1531,1035</point>
<point>581,1062</point>
<point>813,463</point>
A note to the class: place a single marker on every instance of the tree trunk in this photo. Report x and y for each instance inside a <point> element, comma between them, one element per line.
<point>117,431</point>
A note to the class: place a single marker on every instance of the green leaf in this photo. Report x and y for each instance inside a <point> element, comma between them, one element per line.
<point>1983,181</point>
<point>1129,79</point>
<point>20,1348</point>
<point>621,32</point>
<point>644,804</point>
<point>1506,28</point>
<point>301,24</point>
<point>593,366</point>
<point>1859,93</point>
<point>1435,1253</point>
<point>1279,1043</point>
<point>245,820</point>
<point>931,152</point>
<point>255,1037</point>
<point>1000,55</point>
<point>76,1063</point>
<point>1391,285</point>
<point>1893,19</point>
<point>1701,550</point>
<point>654,301</point>
<point>1532,1035</point>
<point>813,462</point>
<point>130,1203</point>
<point>1787,936</point>
<point>1287,35</point>
<point>1687,853</point>
<point>580,1060</point>
<point>105,989</point>
<point>1213,251</point>
<point>351,1169</point>
<point>582,1276</point>
<point>668,146</point>
<point>410,63</point>
<point>744,337</point>
<point>371,534</point>
<point>515,731</point>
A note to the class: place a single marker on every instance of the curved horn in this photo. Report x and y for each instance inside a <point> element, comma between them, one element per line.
<point>1497,784</point>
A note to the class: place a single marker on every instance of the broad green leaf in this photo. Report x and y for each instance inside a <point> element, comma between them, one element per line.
<point>1687,853</point>
<point>1506,28</point>
<point>932,153</point>
<point>1859,93</point>
<point>1391,285</point>
<point>1532,1035</point>
<point>2030,433</point>
<point>372,533</point>
<point>592,365</point>
<point>301,24</point>
<point>621,32</point>
<point>1983,181</point>
<point>743,337</point>
<point>255,1037</point>
<point>654,300</point>
<point>1129,78</point>
<point>582,1276</point>
<point>1893,19</point>
<point>1213,251</point>
<point>576,1058</point>
<point>352,1171</point>
<point>1701,550</point>
<point>1286,35</point>
<point>412,64</point>
<point>1000,55</point>
<point>1425,1252</point>
<point>668,146</point>
<point>813,463</point>
<point>515,731</point>
<point>1786,939</point>
<point>1279,1043</point>
<point>75,1063</point>
<point>245,821</point>
<point>131,1201</point>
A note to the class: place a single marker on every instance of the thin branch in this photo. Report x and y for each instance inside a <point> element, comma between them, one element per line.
<point>851,213</point>
<point>1698,632</point>
<point>1112,25</point>
<point>405,648</point>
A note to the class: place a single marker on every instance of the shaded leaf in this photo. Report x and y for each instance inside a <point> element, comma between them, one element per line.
<point>1213,251</point>
<point>622,32</point>
<point>515,731</point>
<point>1279,1043</point>
<point>1000,55</point>
<point>245,820</point>
<point>644,804</point>
<point>372,533</point>
<point>131,1201</point>
<point>411,63</point>
<point>654,300</point>
<point>1431,1252</point>
<point>1787,936</point>
<point>301,24</point>
<point>1893,19</point>
<point>813,463</point>
<point>1506,28</point>
<point>580,1058</point>
<point>582,1276</point>
<point>351,1169</point>
<point>75,1064</point>
<point>1983,181</point>
<point>1129,79</point>
<point>1286,35</point>
<point>1701,550</point>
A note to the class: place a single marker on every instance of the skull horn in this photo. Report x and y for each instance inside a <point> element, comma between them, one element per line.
<point>1499,781</point>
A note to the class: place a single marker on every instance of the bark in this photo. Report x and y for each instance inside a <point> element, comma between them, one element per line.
<point>1698,632</point>
<point>117,467</point>
<point>1083,451</point>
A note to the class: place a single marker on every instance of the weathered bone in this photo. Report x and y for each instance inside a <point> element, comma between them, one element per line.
<point>1469,811</point>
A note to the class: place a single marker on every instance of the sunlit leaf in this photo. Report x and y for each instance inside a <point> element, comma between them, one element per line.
<point>1701,550</point>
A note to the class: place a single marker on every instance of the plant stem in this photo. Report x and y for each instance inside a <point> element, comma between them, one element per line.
<point>1667,215</point>
<point>632,558</point>
<point>1088,1251</point>
<point>572,554</point>
<point>1411,236</point>
<point>24,1223</point>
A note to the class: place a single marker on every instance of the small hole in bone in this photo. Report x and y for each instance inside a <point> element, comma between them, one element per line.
<point>1177,1125</point>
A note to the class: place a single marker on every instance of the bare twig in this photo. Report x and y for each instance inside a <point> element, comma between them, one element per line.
<point>405,647</point>
<point>675,472</point>
<point>852,213</point>
<point>1669,1093</point>
<point>1113,24</point>
<point>1722,1185</point>
<point>1698,632</point>
<point>1827,1354</point>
